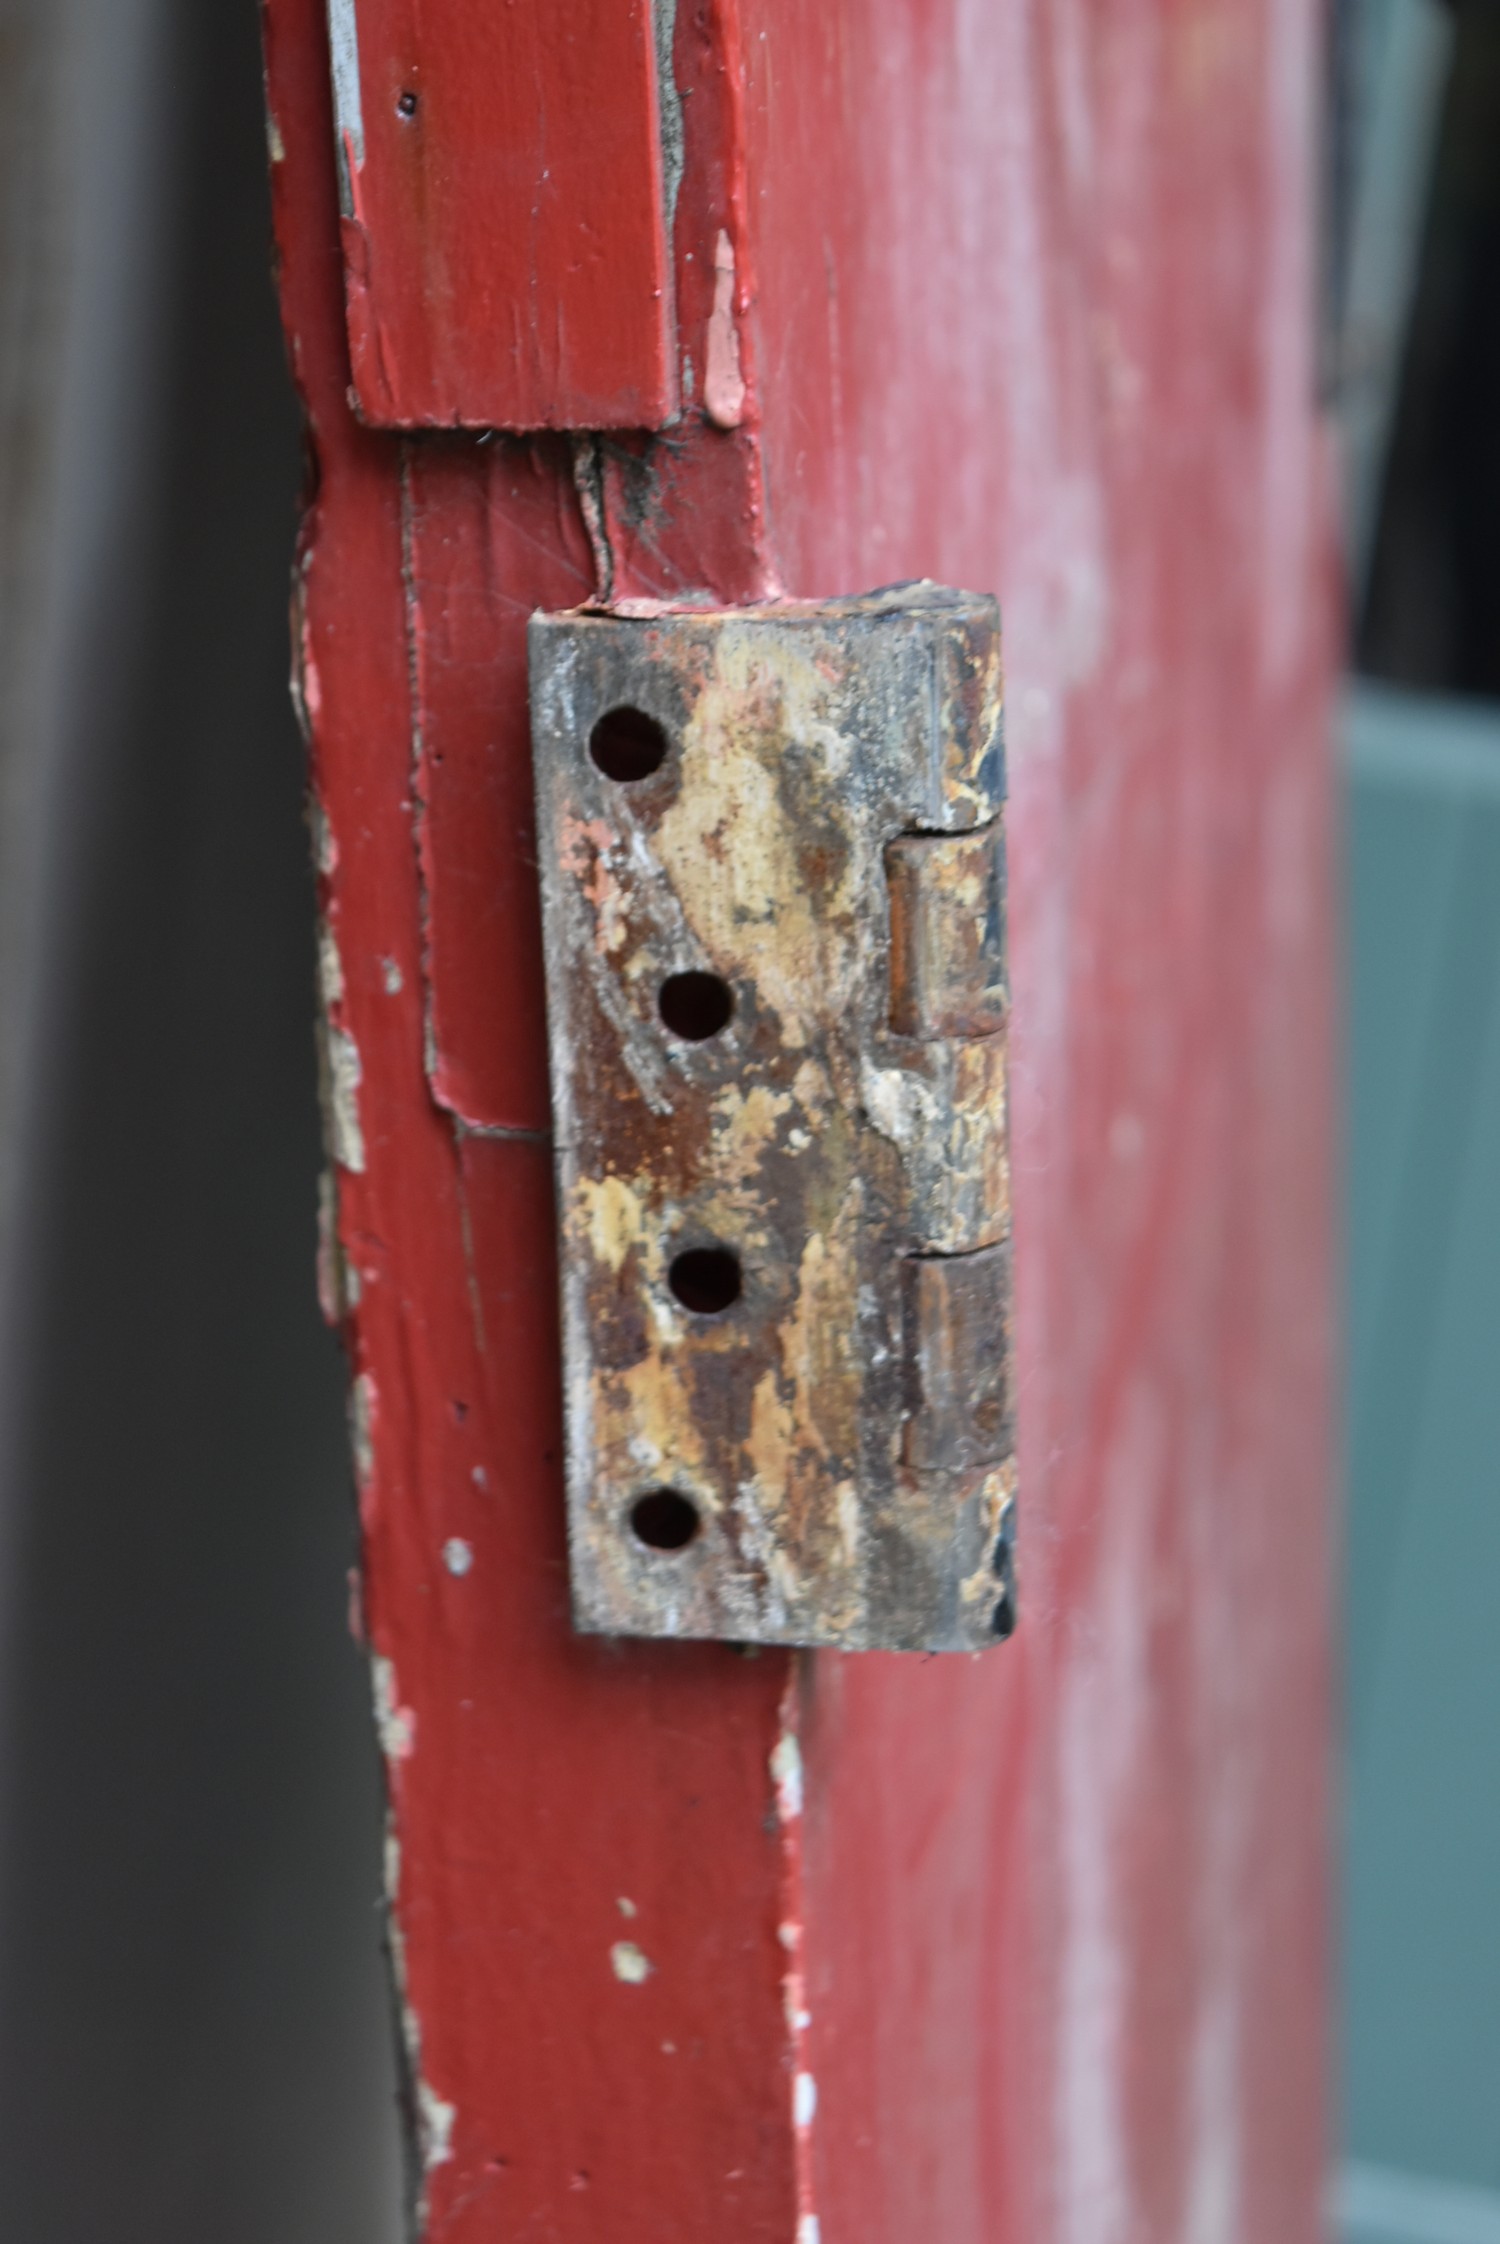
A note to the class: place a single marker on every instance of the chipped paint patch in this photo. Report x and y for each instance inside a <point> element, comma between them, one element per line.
<point>654,1399</point>
<point>629,1965</point>
<point>723,381</point>
<point>612,1215</point>
<point>745,1126</point>
<point>325,853</point>
<point>395,1725</point>
<point>589,851</point>
<point>330,968</point>
<point>434,2119</point>
<point>340,1069</point>
<point>804,2100</point>
<point>786,1774</point>
<point>458,1556</point>
<point>344,1075</point>
<point>362,1428</point>
<point>435,2122</point>
<point>735,843</point>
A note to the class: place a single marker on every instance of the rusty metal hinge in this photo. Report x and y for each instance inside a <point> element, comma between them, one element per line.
<point>773,881</point>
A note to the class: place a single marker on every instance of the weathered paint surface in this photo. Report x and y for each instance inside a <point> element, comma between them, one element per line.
<point>784,1225</point>
<point>1020,298</point>
<point>506,177</point>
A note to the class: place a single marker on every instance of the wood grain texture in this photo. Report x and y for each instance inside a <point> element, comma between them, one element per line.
<point>506,251</point>
<point>1051,333</point>
<point>537,1783</point>
<point>1020,298</point>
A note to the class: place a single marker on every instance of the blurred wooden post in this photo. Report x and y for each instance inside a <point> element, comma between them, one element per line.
<point>1023,1949</point>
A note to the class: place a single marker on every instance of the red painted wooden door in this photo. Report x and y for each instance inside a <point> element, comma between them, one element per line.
<point>1025,1948</point>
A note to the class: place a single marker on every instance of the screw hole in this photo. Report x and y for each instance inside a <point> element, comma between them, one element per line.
<point>706,1280</point>
<point>695,1006</point>
<point>406,103</point>
<point>626,744</point>
<point>664,1520</point>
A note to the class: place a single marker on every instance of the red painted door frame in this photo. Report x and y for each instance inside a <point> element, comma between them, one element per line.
<point>1022,1949</point>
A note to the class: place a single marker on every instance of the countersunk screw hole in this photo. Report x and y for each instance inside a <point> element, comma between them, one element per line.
<point>406,103</point>
<point>626,744</point>
<point>664,1520</point>
<point>706,1280</point>
<point>696,1006</point>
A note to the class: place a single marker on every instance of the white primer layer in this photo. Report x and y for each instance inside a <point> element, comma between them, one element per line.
<point>348,112</point>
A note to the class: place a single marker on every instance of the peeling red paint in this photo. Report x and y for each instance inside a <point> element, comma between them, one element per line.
<point>1022,302</point>
<point>723,383</point>
<point>506,265</point>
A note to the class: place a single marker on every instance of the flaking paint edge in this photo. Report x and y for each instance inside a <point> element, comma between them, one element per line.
<point>432,2118</point>
<point>348,109</point>
<point>788,1778</point>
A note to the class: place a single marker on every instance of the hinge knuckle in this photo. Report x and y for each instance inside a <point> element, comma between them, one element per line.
<point>957,1306</point>
<point>947,897</point>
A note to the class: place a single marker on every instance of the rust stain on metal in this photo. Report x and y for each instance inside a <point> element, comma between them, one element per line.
<point>956,1400</point>
<point>948,933</point>
<point>772,857</point>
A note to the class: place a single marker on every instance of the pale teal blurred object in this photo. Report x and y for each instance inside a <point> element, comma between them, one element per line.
<point>1422,1872</point>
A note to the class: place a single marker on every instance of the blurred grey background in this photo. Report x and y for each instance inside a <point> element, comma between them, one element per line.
<point>194,2038</point>
<point>194,2043</point>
